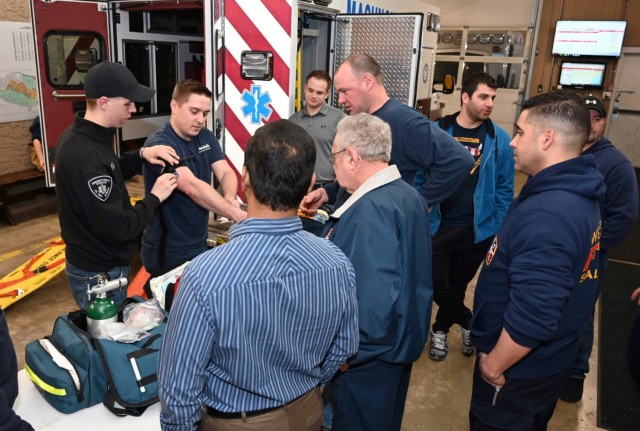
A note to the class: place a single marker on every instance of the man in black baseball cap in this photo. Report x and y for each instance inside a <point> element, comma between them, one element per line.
<point>110,79</point>
<point>98,223</point>
<point>596,104</point>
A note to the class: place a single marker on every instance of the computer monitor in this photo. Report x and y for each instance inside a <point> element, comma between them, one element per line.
<point>588,38</point>
<point>582,75</point>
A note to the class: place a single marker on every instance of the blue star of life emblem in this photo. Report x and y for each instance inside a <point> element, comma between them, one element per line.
<point>256,104</point>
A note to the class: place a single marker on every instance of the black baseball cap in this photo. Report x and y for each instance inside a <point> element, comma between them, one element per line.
<point>595,104</point>
<point>109,79</point>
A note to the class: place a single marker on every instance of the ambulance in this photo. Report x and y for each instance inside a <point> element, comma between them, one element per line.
<point>253,55</point>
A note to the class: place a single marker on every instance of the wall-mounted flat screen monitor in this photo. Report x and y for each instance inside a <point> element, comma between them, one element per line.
<point>588,38</point>
<point>582,75</point>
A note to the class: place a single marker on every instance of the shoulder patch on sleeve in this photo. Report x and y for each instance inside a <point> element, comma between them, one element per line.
<point>101,186</point>
<point>491,253</point>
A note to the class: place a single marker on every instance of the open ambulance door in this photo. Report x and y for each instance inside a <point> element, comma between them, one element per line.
<point>404,45</point>
<point>70,38</point>
<point>394,40</point>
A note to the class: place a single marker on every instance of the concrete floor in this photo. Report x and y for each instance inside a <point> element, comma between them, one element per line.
<point>439,394</point>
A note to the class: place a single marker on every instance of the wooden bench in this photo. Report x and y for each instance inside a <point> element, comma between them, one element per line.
<point>12,179</point>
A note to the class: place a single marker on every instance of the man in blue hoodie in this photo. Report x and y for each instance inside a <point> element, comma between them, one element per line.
<point>619,211</point>
<point>463,225</point>
<point>538,284</point>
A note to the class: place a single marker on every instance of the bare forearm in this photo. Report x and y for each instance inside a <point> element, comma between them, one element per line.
<point>207,197</point>
<point>505,354</point>
<point>229,186</point>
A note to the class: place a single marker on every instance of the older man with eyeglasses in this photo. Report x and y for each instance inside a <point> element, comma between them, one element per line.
<point>380,223</point>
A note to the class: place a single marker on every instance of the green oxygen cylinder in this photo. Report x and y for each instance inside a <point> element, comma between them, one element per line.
<point>101,311</point>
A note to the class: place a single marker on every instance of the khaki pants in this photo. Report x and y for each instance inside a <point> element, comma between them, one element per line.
<point>303,414</point>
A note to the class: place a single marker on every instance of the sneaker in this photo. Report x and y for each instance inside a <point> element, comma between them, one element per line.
<point>467,348</point>
<point>572,392</point>
<point>438,350</point>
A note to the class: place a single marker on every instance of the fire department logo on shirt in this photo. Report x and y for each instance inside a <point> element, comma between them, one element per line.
<point>101,187</point>
<point>492,252</point>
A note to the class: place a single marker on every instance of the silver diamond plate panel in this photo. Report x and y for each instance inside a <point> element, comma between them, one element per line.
<point>387,39</point>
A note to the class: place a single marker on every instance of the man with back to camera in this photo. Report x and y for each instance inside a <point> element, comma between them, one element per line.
<point>463,225</point>
<point>619,211</point>
<point>261,321</point>
<point>381,224</point>
<point>537,286</point>
<point>179,231</point>
<point>418,143</point>
<point>320,121</point>
<point>99,225</point>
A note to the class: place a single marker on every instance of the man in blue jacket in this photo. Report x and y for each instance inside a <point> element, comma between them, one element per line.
<point>463,225</point>
<point>381,225</point>
<point>619,211</point>
<point>537,288</point>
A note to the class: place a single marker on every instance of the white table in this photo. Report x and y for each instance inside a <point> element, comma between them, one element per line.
<point>33,408</point>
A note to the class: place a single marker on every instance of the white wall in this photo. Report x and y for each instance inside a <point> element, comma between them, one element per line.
<point>486,13</point>
<point>476,13</point>
<point>382,6</point>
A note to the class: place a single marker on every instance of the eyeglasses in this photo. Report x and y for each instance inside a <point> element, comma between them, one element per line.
<point>332,156</point>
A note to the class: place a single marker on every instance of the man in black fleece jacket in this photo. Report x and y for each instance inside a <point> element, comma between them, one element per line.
<point>99,225</point>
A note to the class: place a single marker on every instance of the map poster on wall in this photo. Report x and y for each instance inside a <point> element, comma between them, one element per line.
<point>18,84</point>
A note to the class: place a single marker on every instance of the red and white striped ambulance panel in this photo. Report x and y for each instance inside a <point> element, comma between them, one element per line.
<point>250,25</point>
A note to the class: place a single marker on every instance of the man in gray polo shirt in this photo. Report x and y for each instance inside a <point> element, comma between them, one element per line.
<point>320,120</point>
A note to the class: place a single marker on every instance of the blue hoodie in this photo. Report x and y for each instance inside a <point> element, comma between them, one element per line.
<point>494,192</point>
<point>619,209</point>
<point>539,277</point>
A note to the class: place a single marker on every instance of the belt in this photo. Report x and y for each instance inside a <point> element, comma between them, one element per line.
<point>238,415</point>
<point>243,415</point>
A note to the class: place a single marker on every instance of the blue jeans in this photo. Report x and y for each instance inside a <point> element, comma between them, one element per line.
<point>327,410</point>
<point>581,364</point>
<point>80,281</point>
<point>173,257</point>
